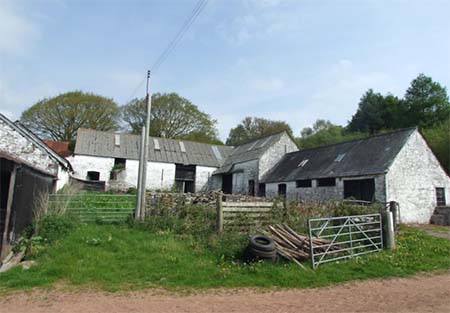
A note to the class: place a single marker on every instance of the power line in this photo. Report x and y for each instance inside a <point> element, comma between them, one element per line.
<point>183,29</point>
<point>198,8</point>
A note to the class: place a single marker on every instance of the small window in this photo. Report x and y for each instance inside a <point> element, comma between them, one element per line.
<point>93,175</point>
<point>326,182</point>
<point>303,163</point>
<point>303,183</point>
<point>440,197</point>
<point>119,163</point>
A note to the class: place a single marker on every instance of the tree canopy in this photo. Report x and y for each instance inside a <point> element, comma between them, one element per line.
<point>324,132</point>
<point>172,116</point>
<point>425,104</point>
<point>254,127</point>
<point>60,117</point>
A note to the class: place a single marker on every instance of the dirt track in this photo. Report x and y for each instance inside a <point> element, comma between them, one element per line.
<point>417,294</point>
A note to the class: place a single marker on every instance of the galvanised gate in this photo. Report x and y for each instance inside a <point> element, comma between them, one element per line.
<point>345,237</point>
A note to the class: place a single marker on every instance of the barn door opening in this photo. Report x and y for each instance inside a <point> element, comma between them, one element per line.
<point>360,189</point>
<point>185,178</point>
<point>227,183</point>
<point>282,190</point>
<point>251,188</point>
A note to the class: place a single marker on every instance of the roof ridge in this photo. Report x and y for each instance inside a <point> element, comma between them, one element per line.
<point>262,137</point>
<point>358,139</point>
<point>153,137</point>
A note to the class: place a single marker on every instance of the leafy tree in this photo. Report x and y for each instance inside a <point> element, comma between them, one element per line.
<point>426,103</point>
<point>172,116</point>
<point>60,117</point>
<point>252,128</point>
<point>323,133</point>
<point>376,112</point>
<point>438,138</point>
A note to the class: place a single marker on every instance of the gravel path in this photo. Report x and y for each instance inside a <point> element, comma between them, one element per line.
<point>424,293</point>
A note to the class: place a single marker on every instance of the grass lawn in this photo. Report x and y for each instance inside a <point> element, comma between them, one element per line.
<point>120,258</point>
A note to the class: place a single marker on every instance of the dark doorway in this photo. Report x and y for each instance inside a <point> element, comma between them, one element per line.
<point>227,183</point>
<point>93,175</point>
<point>6,167</point>
<point>261,190</point>
<point>360,189</point>
<point>251,188</point>
<point>185,178</point>
<point>282,190</point>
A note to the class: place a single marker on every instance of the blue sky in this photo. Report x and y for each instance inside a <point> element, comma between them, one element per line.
<point>291,60</point>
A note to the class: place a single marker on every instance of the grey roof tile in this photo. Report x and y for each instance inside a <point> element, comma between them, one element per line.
<point>98,143</point>
<point>372,155</point>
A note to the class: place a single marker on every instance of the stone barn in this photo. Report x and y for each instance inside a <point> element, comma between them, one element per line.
<point>243,169</point>
<point>173,164</point>
<point>397,166</point>
<point>28,171</point>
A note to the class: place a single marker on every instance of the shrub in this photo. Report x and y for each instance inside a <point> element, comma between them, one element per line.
<point>55,226</point>
<point>228,246</point>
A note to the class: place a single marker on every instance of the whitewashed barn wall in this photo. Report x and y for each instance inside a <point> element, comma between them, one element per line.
<point>412,179</point>
<point>81,164</point>
<point>203,177</point>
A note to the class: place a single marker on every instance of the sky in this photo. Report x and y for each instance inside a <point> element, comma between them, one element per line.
<point>291,60</point>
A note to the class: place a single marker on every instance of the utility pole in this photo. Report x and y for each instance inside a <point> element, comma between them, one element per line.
<point>142,177</point>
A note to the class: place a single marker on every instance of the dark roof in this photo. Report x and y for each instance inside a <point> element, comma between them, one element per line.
<point>99,143</point>
<point>372,155</point>
<point>29,135</point>
<point>251,150</point>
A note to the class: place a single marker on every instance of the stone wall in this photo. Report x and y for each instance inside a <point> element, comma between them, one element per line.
<point>242,173</point>
<point>15,145</point>
<point>325,193</point>
<point>413,178</point>
<point>275,153</point>
<point>203,177</point>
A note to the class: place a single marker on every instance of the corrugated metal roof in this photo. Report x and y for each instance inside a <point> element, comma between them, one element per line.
<point>372,155</point>
<point>249,151</point>
<point>99,143</point>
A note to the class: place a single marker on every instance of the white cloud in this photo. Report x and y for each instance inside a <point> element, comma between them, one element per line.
<point>17,32</point>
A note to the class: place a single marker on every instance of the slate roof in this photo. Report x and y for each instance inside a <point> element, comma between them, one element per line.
<point>367,156</point>
<point>249,151</point>
<point>102,144</point>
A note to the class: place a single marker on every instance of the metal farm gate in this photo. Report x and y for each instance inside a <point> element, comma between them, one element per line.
<point>344,237</point>
<point>91,207</point>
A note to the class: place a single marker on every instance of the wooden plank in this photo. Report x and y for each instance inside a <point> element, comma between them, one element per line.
<point>243,210</point>
<point>219,208</point>
<point>246,204</point>
<point>12,183</point>
<point>246,215</point>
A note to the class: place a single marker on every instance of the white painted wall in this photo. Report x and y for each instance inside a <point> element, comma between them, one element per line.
<point>412,179</point>
<point>63,178</point>
<point>81,164</point>
<point>203,178</point>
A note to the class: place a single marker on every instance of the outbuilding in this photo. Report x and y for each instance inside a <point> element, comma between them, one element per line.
<point>397,166</point>
<point>173,164</point>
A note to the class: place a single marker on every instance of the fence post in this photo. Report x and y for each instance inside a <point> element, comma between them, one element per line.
<point>388,230</point>
<point>219,221</point>
<point>393,209</point>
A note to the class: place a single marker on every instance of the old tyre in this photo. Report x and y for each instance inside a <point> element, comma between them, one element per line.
<point>262,243</point>
<point>262,254</point>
